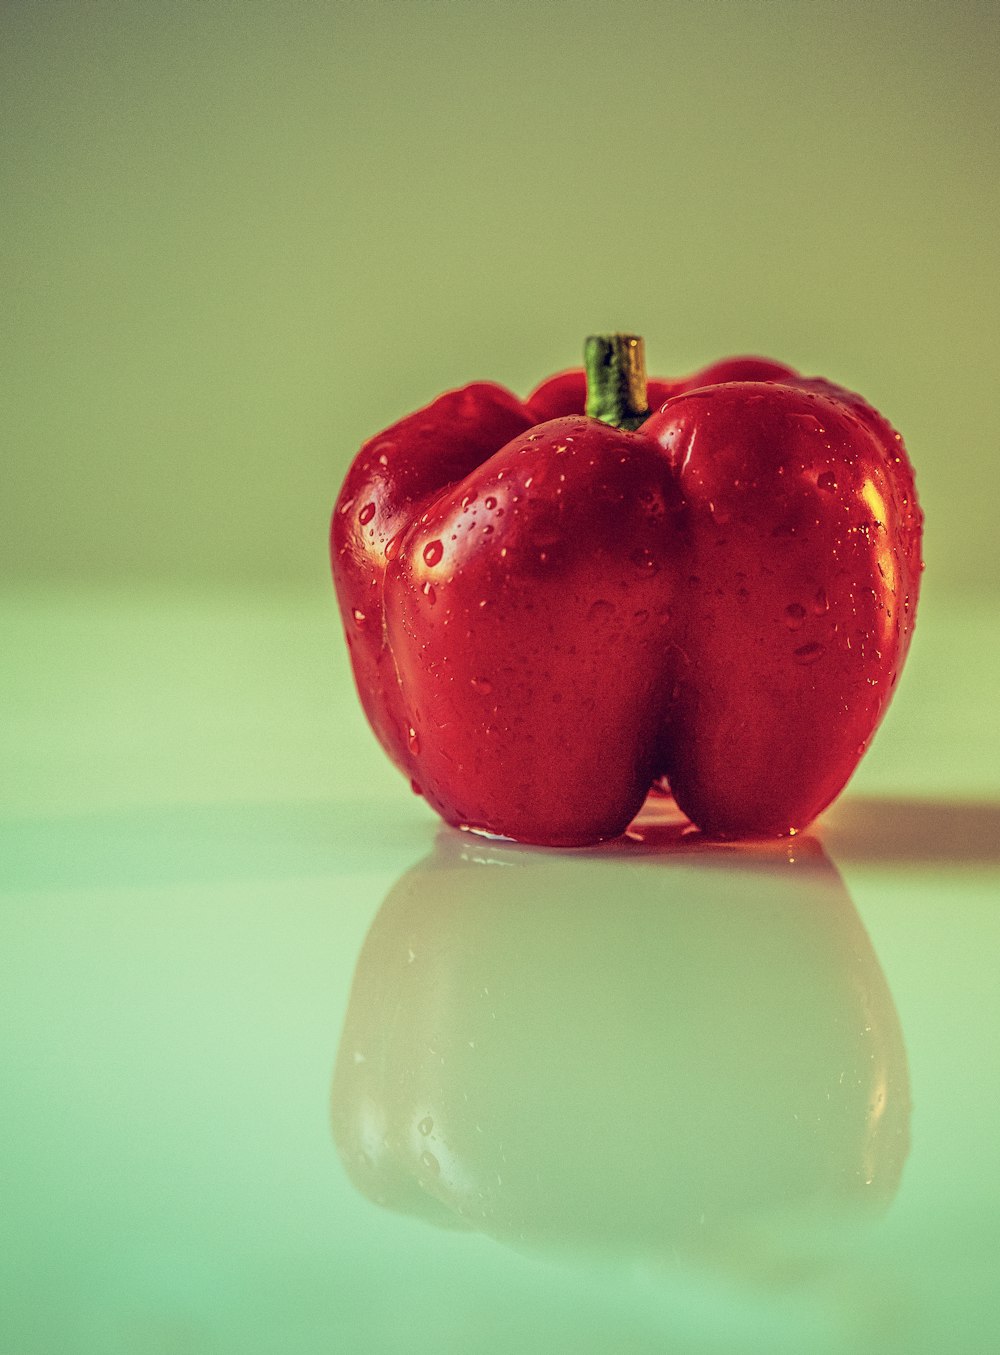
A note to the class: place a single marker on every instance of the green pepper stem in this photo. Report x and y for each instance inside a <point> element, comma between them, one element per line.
<point>616,379</point>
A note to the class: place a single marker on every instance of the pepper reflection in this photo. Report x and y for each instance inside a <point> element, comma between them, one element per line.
<point>627,1048</point>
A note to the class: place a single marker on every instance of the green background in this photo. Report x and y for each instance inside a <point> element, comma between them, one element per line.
<point>239,238</point>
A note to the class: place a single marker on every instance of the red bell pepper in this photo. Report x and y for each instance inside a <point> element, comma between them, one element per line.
<point>547,616</point>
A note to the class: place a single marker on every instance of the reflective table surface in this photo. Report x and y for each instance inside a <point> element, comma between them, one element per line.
<point>288,1067</point>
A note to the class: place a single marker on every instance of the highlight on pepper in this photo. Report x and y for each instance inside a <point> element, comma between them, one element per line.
<point>554,604</point>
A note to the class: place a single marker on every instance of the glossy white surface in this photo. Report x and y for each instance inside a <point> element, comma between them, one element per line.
<point>198,836</point>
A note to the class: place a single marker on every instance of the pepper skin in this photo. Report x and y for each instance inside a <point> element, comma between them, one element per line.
<point>545,619</point>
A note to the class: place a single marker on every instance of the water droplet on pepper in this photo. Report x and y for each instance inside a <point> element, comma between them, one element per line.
<point>806,654</point>
<point>808,422</point>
